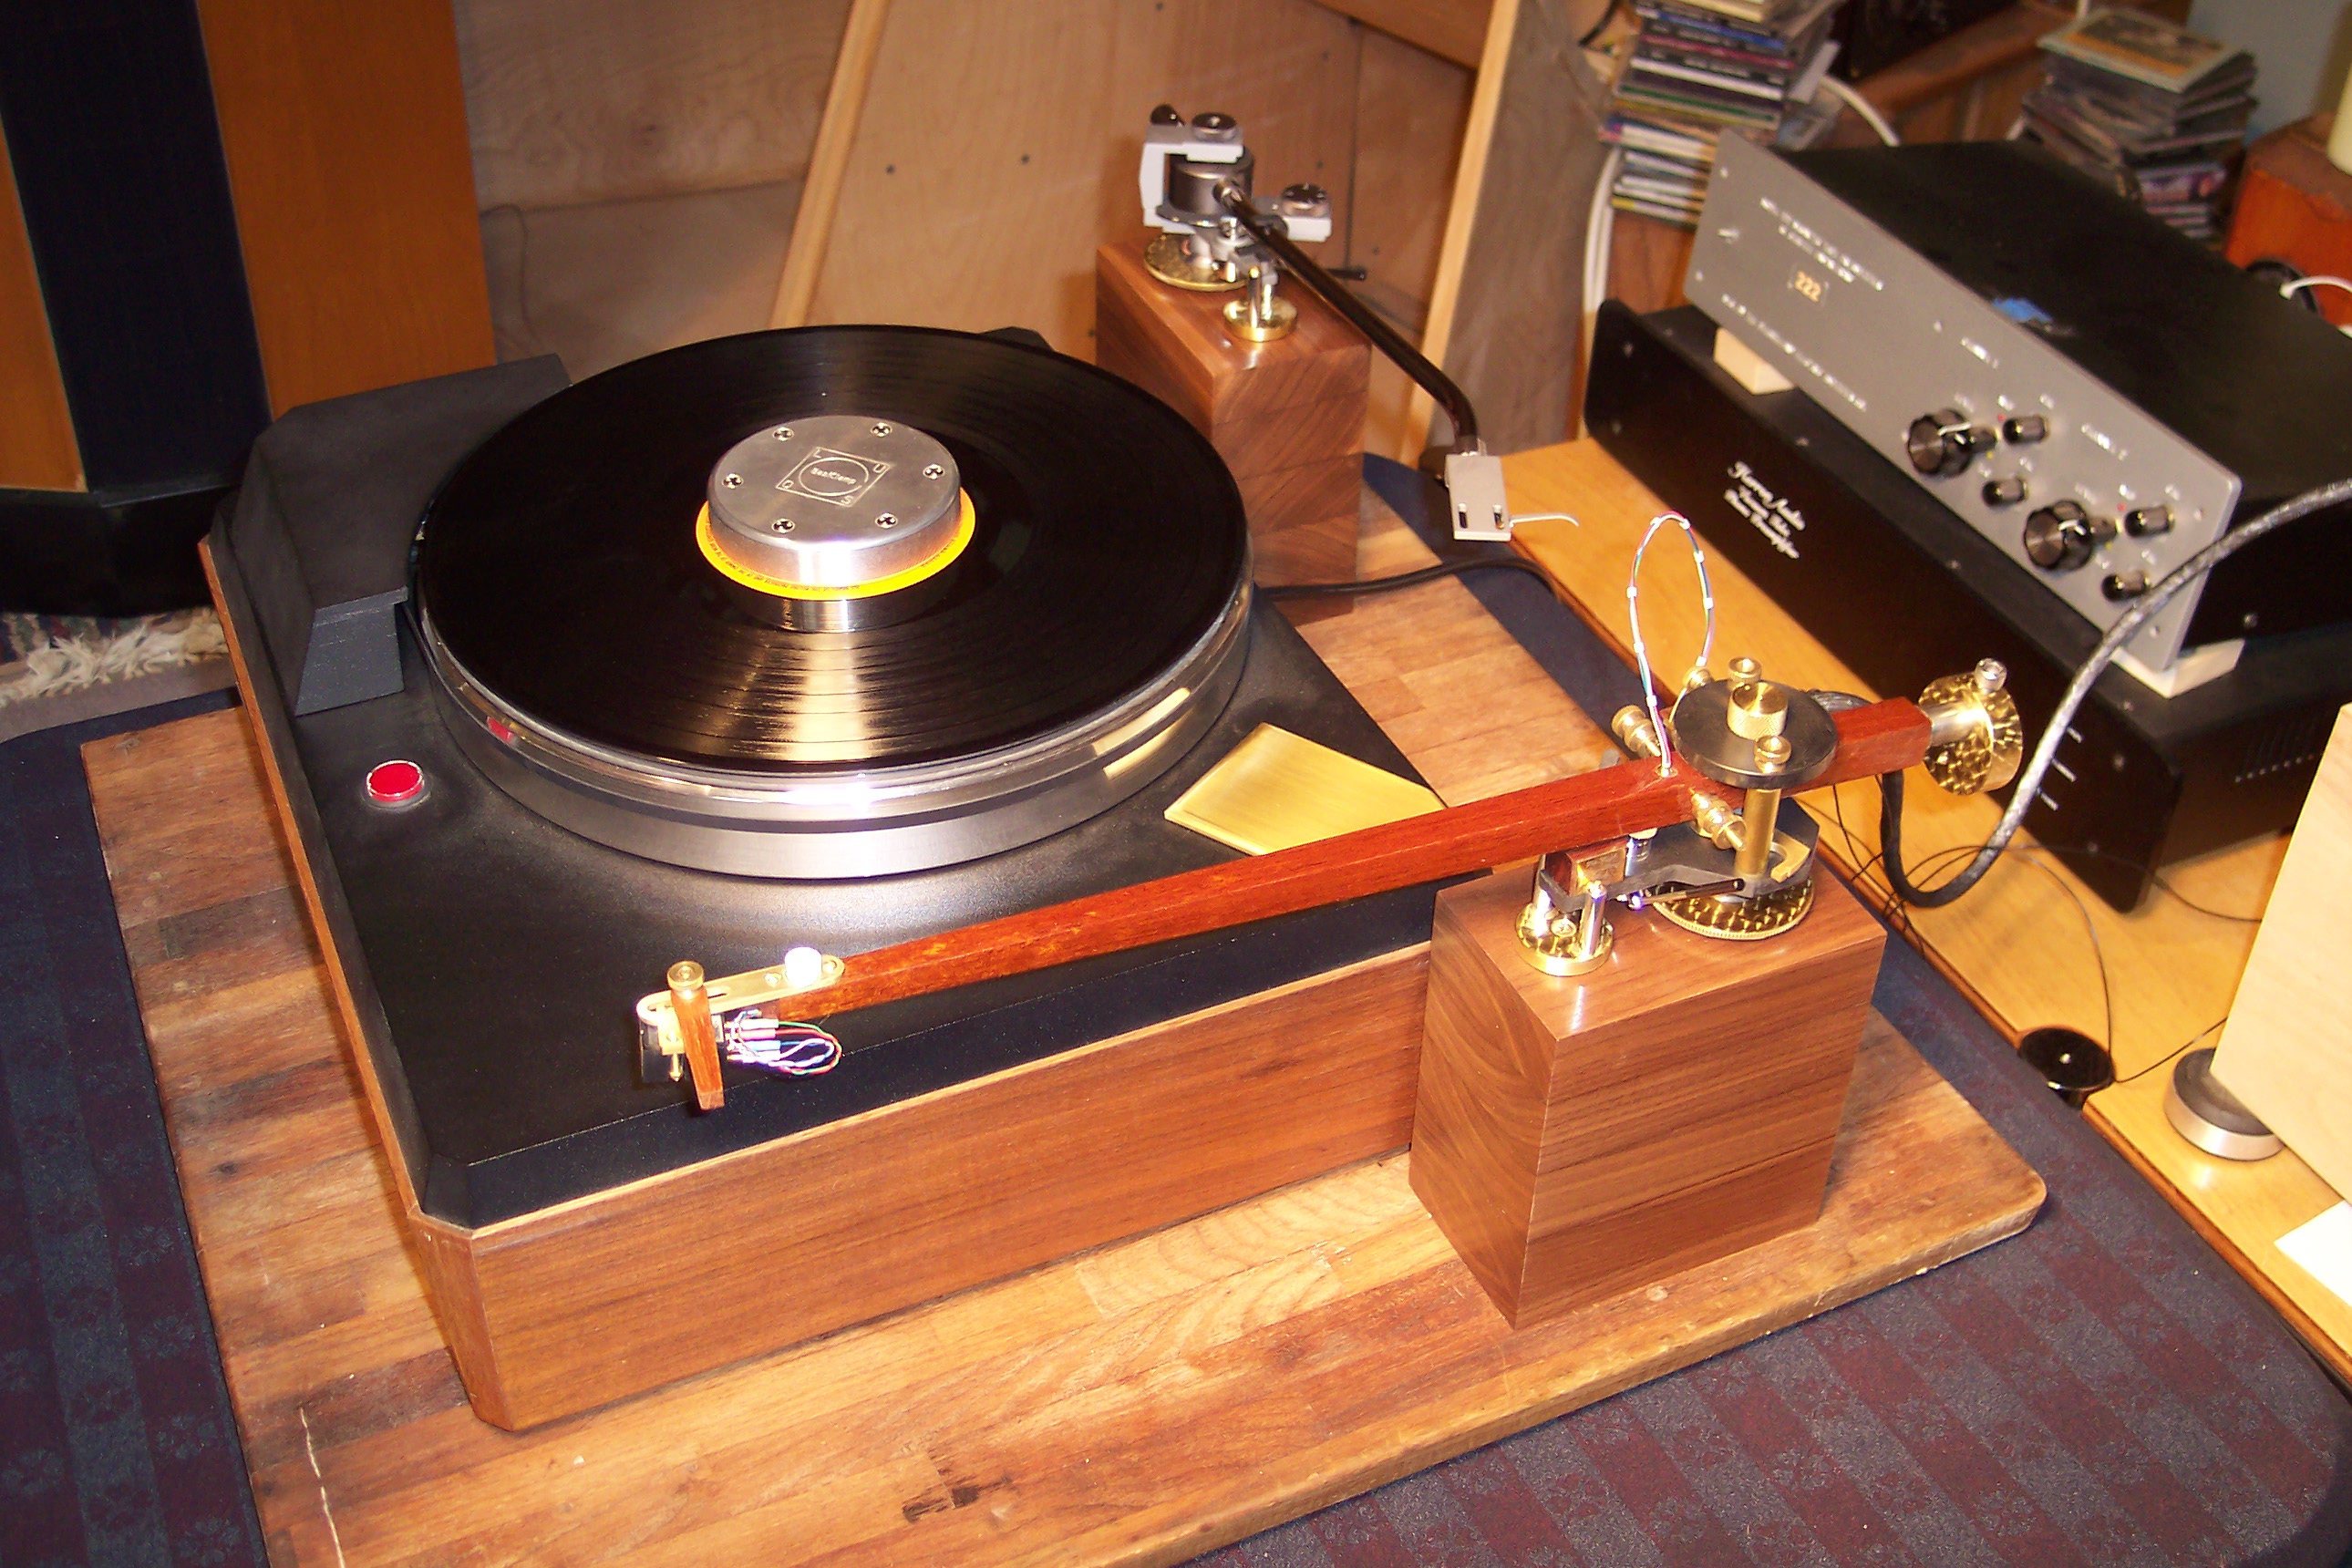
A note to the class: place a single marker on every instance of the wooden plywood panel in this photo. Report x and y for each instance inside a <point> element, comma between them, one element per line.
<point>998,147</point>
<point>36,438</point>
<point>344,128</point>
<point>1517,322</point>
<point>1444,29</point>
<point>584,101</point>
<point>1412,108</point>
<point>2288,1051</point>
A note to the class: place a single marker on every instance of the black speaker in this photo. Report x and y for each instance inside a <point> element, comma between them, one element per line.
<point>108,111</point>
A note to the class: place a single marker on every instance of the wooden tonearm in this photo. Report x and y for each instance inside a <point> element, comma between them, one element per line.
<point>1632,797</point>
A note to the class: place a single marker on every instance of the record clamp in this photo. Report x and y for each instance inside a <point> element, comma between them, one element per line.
<point>837,522</point>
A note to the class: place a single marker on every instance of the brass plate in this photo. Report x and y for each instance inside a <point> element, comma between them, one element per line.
<point>1278,791</point>
<point>1238,321</point>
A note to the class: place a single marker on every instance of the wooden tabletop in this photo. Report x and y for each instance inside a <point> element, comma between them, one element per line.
<point>1136,1403</point>
<point>2027,945</point>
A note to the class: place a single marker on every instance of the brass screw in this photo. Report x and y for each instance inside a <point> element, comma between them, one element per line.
<point>686,975</point>
<point>1772,753</point>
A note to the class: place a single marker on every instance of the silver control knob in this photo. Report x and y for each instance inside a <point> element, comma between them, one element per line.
<point>2142,521</point>
<point>2005,491</point>
<point>2122,586</point>
<point>2023,428</point>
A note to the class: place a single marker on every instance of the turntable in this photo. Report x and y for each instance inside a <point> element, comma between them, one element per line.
<point>824,693</point>
<point>825,639</point>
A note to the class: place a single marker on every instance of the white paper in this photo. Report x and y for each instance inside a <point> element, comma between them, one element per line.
<point>2324,1248</point>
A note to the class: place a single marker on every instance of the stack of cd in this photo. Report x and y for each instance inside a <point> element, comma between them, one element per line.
<point>1699,68</point>
<point>2157,113</point>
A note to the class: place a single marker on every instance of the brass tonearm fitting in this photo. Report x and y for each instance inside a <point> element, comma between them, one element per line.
<point>1975,739</point>
<point>679,1027</point>
<point>1745,872</point>
<point>1740,874</point>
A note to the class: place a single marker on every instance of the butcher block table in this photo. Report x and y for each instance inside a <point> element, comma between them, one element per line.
<point>1140,1403</point>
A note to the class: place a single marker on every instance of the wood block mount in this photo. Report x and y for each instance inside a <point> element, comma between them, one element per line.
<point>1287,417</point>
<point>1575,1138</point>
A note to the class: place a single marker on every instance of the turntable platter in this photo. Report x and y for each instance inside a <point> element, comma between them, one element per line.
<point>605,667</point>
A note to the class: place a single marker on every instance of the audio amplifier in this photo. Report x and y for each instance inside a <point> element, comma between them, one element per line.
<point>2096,394</point>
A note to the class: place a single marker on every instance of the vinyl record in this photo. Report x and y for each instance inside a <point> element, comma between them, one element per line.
<point>575,623</point>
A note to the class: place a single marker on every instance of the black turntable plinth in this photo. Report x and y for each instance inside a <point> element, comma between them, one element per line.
<point>642,739</point>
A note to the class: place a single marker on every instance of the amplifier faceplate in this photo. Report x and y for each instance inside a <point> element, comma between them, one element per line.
<point>1881,337</point>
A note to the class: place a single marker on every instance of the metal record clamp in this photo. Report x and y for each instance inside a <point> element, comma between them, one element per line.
<point>1196,183</point>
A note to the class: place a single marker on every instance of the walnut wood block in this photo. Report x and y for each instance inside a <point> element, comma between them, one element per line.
<point>1577,1137</point>
<point>1287,417</point>
<point>1140,1403</point>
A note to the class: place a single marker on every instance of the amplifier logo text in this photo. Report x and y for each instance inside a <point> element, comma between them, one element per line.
<point>1775,518</point>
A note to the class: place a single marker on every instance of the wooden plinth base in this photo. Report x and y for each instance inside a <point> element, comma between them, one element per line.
<point>1138,1404</point>
<point>607,1296</point>
<point>1287,417</point>
<point>1575,1138</point>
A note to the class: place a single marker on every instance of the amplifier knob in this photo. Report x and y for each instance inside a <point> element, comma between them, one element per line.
<point>2122,586</point>
<point>2060,537</point>
<point>1940,443</point>
<point>2024,427</point>
<point>2142,521</point>
<point>2005,492</point>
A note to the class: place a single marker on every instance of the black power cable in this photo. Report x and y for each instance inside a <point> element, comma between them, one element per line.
<point>2030,781</point>
<point>1406,579</point>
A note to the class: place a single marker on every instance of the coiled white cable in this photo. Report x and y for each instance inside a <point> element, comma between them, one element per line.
<point>1633,618</point>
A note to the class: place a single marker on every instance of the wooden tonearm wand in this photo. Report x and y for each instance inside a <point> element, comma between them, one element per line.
<point>1716,773</point>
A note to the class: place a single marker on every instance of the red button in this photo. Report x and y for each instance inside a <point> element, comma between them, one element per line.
<point>394,783</point>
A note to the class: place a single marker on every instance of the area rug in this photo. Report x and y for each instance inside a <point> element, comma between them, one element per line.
<point>63,669</point>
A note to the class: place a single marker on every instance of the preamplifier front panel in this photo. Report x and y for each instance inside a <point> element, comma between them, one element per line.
<point>1881,337</point>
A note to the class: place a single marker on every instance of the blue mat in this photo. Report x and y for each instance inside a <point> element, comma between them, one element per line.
<point>116,1441</point>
